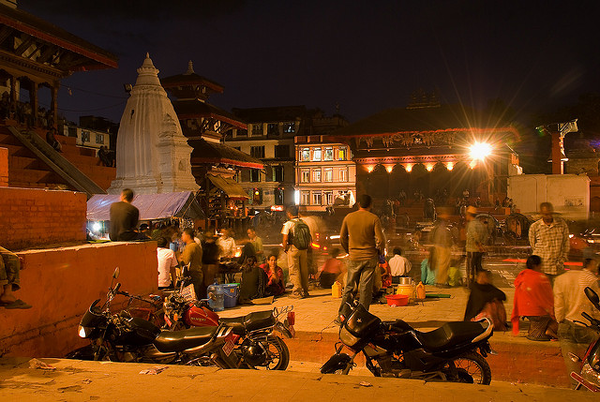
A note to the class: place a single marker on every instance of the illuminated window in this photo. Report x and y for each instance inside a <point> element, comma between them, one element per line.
<point>305,176</point>
<point>257,129</point>
<point>317,197</point>
<point>305,155</point>
<point>328,156</point>
<point>328,175</point>
<point>317,154</point>
<point>343,154</point>
<point>99,138</point>
<point>316,175</point>
<point>344,174</point>
<point>289,127</point>
<point>305,198</point>
<point>328,197</point>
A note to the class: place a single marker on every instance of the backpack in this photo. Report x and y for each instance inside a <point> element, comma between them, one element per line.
<point>300,235</point>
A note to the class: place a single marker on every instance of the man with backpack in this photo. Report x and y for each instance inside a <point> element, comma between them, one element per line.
<point>362,238</point>
<point>296,241</point>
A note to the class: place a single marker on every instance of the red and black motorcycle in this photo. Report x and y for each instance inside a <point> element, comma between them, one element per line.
<point>589,375</point>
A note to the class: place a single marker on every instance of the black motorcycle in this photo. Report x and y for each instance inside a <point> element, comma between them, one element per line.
<point>589,375</point>
<point>454,352</point>
<point>243,342</point>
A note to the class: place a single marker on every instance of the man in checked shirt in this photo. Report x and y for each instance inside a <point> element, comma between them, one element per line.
<point>549,238</point>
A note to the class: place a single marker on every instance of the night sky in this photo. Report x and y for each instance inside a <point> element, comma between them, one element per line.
<point>363,55</point>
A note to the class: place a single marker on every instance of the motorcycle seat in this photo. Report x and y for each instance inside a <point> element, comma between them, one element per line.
<point>451,334</point>
<point>177,341</point>
<point>250,322</point>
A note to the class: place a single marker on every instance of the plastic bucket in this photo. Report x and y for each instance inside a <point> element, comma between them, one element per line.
<point>397,300</point>
<point>231,292</point>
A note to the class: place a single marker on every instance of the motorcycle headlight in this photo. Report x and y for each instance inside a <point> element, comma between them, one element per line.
<point>84,332</point>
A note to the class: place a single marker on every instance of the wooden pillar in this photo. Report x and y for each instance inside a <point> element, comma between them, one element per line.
<point>14,93</point>
<point>34,102</point>
<point>54,104</point>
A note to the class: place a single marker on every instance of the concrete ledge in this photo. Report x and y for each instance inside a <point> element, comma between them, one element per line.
<point>61,284</point>
<point>77,380</point>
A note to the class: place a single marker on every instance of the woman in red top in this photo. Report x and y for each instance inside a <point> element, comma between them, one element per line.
<point>276,285</point>
<point>534,300</point>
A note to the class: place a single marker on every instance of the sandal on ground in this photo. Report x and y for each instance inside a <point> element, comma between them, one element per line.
<point>17,304</point>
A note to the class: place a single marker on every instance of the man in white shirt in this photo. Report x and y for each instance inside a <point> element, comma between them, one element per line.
<point>569,302</point>
<point>399,265</point>
<point>226,245</point>
<point>167,261</point>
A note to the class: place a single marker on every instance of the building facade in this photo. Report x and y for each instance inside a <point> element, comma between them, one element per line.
<point>273,136</point>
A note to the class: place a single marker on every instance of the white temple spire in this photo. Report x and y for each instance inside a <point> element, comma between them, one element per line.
<point>153,155</point>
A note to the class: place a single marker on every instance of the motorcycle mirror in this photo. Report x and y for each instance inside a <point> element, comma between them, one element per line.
<point>593,297</point>
<point>116,273</point>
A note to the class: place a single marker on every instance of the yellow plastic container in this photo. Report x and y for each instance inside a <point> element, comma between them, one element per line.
<point>408,290</point>
<point>336,290</point>
<point>420,291</point>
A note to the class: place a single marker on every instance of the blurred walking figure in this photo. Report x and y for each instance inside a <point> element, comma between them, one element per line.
<point>549,238</point>
<point>443,241</point>
<point>296,241</point>
<point>476,238</point>
<point>486,301</point>
<point>362,238</point>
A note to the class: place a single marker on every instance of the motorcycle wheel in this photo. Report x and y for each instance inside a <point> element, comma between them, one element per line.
<point>278,354</point>
<point>470,368</point>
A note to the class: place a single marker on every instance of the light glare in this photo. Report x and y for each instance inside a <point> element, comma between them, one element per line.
<point>480,150</point>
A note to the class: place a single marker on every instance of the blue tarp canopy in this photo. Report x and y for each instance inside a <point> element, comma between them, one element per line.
<point>151,206</point>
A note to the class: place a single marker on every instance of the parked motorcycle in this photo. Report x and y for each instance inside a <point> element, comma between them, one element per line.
<point>243,342</point>
<point>589,375</point>
<point>454,352</point>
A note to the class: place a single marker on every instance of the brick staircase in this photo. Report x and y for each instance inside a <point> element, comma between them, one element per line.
<point>28,170</point>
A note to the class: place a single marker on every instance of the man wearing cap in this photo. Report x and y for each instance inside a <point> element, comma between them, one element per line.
<point>476,236</point>
<point>549,238</point>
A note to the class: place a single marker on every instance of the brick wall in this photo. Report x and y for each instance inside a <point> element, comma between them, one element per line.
<point>3,167</point>
<point>34,218</point>
<point>61,284</point>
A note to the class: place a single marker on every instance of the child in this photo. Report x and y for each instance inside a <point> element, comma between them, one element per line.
<point>399,265</point>
<point>332,270</point>
<point>427,273</point>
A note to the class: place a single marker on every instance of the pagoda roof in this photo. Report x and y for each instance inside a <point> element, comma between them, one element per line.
<point>428,119</point>
<point>193,108</point>
<point>214,152</point>
<point>186,79</point>
<point>22,21</point>
<point>266,114</point>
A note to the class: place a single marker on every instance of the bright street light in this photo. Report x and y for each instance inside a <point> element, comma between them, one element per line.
<point>480,151</point>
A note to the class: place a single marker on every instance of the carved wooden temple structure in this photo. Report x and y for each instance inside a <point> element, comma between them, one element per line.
<point>426,148</point>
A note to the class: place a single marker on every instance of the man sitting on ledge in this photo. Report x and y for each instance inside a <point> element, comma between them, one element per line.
<point>10,266</point>
<point>124,219</point>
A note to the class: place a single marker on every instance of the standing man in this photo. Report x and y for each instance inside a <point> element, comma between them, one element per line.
<point>192,256</point>
<point>167,262</point>
<point>124,218</point>
<point>293,230</point>
<point>314,228</point>
<point>476,236</point>
<point>549,238</point>
<point>569,302</point>
<point>362,238</point>
<point>257,244</point>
